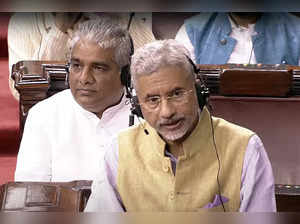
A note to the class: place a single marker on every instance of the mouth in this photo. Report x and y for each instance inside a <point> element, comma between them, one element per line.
<point>172,125</point>
<point>86,91</point>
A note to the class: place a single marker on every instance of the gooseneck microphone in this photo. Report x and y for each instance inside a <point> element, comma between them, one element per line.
<point>145,130</point>
<point>131,119</point>
<point>130,20</point>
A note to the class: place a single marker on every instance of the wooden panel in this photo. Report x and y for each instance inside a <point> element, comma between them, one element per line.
<point>258,82</point>
<point>36,81</point>
<point>288,198</point>
<point>45,196</point>
<point>251,79</point>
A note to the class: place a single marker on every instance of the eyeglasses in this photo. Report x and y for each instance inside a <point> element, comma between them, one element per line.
<point>177,97</point>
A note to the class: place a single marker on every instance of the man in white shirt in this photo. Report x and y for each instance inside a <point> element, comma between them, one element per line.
<point>247,38</point>
<point>64,135</point>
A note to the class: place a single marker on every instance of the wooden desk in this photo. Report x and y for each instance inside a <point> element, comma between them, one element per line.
<point>45,196</point>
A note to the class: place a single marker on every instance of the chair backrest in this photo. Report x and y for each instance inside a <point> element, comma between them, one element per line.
<point>165,25</point>
<point>44,196</point>
<point>36,81</point>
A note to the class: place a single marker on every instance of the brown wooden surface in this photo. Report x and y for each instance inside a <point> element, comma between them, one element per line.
<point>287,198</point>
<point>45,196</point>
<point>36,81</point>
<point>241,82</point>
<point>276,121</point>
<point>251,80</point>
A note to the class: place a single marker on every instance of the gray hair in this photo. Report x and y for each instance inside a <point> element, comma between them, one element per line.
<point>107,32</point>
<point>158,54</point>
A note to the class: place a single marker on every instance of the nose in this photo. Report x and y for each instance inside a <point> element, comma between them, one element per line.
<point>167,109</point>
<point>86,76</point>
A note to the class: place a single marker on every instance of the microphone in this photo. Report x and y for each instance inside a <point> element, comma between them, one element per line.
<point>145,130</point>
<point>131,119</point>
<point>130,19</point>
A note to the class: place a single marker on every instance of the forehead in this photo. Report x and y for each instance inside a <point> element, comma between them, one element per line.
<point>89,51</point>
<point>164,81</point>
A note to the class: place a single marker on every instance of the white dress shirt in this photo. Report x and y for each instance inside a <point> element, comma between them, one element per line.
<point>64,142</point>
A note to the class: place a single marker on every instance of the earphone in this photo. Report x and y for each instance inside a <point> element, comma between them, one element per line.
<point>125,70</point>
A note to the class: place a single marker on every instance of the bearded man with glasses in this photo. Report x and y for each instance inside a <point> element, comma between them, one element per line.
<point>180,158</point>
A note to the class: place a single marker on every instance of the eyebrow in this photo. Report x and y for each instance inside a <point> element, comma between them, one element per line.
<point>168,93</point>
<point>74,59</point>
<point>93,63</point>
<point>101,64</point>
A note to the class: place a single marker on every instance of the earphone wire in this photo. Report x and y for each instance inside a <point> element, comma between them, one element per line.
<point>251,51</point>
<point>219,162</point>
<point>205,92</point>
<point>132,14</point>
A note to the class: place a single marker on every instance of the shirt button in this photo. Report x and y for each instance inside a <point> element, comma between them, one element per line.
<point>172,195</point>
<point>223,41</point>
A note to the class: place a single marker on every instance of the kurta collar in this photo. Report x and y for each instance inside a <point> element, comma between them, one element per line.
<point>107,115</point>
<point>250,28</point>
<point>48,21</point>
<point>202,132</point>
<point>158,143</point>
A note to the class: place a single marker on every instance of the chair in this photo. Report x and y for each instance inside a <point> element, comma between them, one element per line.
<point>36,81</point>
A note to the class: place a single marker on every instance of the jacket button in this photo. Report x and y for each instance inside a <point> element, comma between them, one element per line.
<point>172,195</point>
<point>166,165</point>
<point>223,41</point>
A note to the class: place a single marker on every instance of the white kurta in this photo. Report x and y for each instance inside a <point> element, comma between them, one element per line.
<point>64,142</point>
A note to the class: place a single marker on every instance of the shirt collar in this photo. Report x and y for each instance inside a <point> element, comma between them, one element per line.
<point>107,114</point>
<point>236,27</point>
<point>111,111</point>
<point>48,21</point>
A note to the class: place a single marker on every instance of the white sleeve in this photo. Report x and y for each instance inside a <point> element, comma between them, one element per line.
<point>104,197</point>
<point>257,184</point>
<point>34,157</point>
<point>183,38</point>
